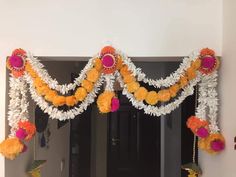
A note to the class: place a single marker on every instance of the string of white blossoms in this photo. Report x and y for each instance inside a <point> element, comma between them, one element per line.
<point>208,99</point>
<point>53,83</point>
<point>18,104</point>
<point>169,80</point>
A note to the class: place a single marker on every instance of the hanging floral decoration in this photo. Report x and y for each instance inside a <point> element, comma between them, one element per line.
<point>107,67</point>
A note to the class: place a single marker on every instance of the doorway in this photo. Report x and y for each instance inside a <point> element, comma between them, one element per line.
<point>129,143</point>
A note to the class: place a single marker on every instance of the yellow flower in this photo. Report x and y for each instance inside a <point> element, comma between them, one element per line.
<point>87,85</point>
<point>164,95</point>
<point>132,86</point>
<point>11,147</point>
<point>174,90</point>
<point>104,101</point>
<point>152,98</point>
<point>98,64</point>
<point>196,64</point>
<point>71,101</point>
<point>92,75</point>
<point>80,94</point>
<point>119,62</point>
<point>50,95</point>
<point>43,90</point>
<point>124,70</point>
<point>191,73</point>
<point>183,81</point>
<point>59,101</point>
<point>140,94</point>
<point>38,82</point>
<point>129,78</point>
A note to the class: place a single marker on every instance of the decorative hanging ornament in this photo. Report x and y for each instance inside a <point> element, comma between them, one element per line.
<point>109,59</point>
<point>165,95</point>
<point>16,62</point>
<point>193,169</point>
<point>209,62</point>
<point>108,102</point>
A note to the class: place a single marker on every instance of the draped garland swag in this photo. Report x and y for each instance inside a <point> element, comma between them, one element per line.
<point>107,67</point>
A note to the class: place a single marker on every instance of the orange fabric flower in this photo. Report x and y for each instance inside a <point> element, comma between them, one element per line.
<point>80,94</point>
<point>196,64</point>
<point>164,95</point>
<point>29,128</point>
<point>108,49</point>
<point>174,90</point>
<point>194,123</point>
<point>132,86</point>
<point>11,147</point>
<point>19,51</point>
<point>104,101</point>
<point>98,64</point>
<point>191,73</point>
<point>183,81</point>
<point>124,71</point>
<point>59,101</point>
<point>92,75</point>
<point>152,98</point>
<point>71,100</point>
<point>17,73</point>
<point>141,93</point>
<point>87,85</point>
<point>207,51</point>
<point>119,62</point>
<point>49,96</point>
<point>129,78</point>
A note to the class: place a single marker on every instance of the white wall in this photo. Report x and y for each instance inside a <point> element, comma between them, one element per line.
<point>224,164</point>
<point>81,27</point>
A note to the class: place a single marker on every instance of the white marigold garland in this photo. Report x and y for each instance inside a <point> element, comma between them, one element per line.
<point>53,83</point>
<point>53,111</point>
<point>169,80</point>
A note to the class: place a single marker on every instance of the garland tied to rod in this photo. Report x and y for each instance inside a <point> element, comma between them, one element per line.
<point>110,66</point>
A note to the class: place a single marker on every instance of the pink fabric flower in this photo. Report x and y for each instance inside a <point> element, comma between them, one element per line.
<point>217,145</point>
<point>108,60</point>
<point>202,132</point>
<point>115,104</point>
<point>208,62</point>
<point>16,61</point>
<point>21,134</point>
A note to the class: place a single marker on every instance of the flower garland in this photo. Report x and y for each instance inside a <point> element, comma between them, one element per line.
<point>109,66</point>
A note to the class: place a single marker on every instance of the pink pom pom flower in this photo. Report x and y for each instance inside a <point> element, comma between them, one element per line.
<point>16,62</point>
<point>115,104</point>
<point>217,145</point>
<point>202,132</point>
<point>21,134</point>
